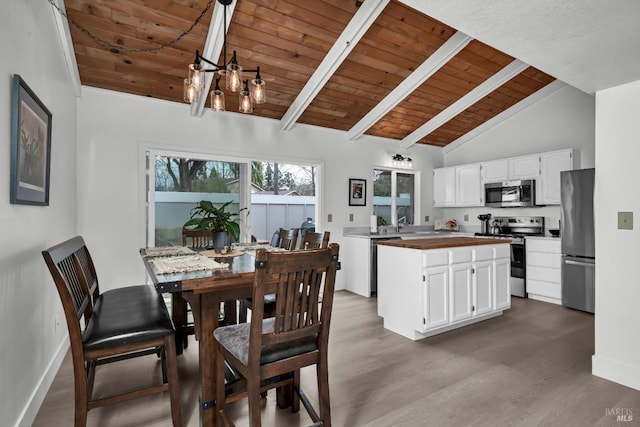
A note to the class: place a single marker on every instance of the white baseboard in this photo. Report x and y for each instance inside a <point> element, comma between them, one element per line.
<point>613,370</point>
<point>32,407</point>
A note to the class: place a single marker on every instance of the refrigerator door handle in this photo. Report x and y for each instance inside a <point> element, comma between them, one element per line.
<point>581,264</point>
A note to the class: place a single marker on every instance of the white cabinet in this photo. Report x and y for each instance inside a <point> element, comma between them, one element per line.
<point>548,186</point>
<point>426,292</point>
<point>495,171</point>
<point>444,187</point>
<point>458,186</point>
<point>469,189</point>
<point>525,167</point>
<point>356,265</point>
<point>435,297</point>
<point>461,292</point>
<point>502,290</point>
<point>483,280</point>
<point>543,261</point>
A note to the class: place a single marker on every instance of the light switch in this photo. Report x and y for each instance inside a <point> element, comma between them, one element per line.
<point>625,220</point>
<point>329,217</point>
<point>350,217</point>
<point>426,218</point>
<point>466,217</point>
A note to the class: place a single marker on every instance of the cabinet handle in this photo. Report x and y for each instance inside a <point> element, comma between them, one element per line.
<point>581,264</point>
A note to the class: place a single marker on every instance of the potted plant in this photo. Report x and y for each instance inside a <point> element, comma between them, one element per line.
<point>222,223</point>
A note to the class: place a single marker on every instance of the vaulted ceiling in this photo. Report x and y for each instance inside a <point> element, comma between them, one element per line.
<point>376,67</point>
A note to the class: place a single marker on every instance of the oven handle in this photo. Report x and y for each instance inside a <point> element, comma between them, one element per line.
<point>581,264</point>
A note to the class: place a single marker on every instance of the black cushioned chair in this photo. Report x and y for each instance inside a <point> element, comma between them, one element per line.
<point>118,324</point>
<point>270,352</point>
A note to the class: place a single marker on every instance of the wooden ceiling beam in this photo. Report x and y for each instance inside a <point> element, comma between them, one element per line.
<point>489,85</point>
<point>362,20</point>
<point>448,50</point>
<point>212,49</point>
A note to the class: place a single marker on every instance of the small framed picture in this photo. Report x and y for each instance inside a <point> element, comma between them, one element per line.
<point>30,146</point>
<point>357,192</point>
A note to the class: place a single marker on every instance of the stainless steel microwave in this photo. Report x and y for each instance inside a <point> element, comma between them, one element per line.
<point>510,194</point>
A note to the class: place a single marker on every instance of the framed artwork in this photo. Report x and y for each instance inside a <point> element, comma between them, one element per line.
<point>357,192</point>
<point>30,146</point>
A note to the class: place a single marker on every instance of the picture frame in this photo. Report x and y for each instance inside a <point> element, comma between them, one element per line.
<point>357,192</point>
<point>30,146</point>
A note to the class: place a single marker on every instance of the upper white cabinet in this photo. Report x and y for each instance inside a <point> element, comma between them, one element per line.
<point>525,167</point>
<point>495,171</point>
<point>463,185</point>
<point>469,189</point>
<point>551,164</point>
<point>458,186</point>
<point>444,187</point>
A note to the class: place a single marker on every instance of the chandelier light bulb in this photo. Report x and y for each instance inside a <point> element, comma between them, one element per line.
<point>246,103</point>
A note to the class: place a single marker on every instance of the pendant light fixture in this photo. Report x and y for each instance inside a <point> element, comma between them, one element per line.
<point>399,161</point>
<point>233,74</point>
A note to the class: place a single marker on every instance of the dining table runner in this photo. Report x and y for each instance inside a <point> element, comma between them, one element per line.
<point>185,264</point>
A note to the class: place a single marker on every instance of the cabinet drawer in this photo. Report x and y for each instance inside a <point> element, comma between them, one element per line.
<point>459,255</point>
<point>544,274</point>
<point>502,251</point>
<point>435,258</point>
<point>542,259</point>
<point>545,289</point>
<point>544,245</point>
<point>483,253</point>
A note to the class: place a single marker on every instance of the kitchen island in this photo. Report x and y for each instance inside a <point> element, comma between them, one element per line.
<point>358,251</point>
<point>433,285</point>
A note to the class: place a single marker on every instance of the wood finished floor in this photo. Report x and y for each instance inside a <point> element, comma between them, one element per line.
<point>530,367</point>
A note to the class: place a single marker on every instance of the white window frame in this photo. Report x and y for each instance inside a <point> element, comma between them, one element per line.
<point>394,192</point>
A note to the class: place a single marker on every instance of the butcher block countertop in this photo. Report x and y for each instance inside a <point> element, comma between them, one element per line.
<point>443,242</point>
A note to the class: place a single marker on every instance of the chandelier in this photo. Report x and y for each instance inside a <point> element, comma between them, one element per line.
<point>233,74</point>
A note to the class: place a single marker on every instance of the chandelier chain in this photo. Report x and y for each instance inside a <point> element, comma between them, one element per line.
<point>113,47</point>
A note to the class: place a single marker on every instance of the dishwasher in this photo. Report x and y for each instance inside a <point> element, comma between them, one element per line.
<point>374,262</point>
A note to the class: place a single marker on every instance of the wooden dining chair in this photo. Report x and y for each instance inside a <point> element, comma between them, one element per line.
<point>118,324</point>
<point>269,353</point>
<point>181,312</point>
<point>286,239</point>
<point>313,240</point>
<point>196,238</point>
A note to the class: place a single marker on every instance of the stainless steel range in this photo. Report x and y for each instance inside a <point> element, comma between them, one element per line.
<point>517,228</point>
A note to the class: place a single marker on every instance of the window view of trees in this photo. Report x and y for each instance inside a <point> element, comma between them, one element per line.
<point>188,175</point>
<point>403,204</point>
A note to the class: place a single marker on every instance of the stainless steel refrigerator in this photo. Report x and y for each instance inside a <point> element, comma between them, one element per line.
<point>578,239</point>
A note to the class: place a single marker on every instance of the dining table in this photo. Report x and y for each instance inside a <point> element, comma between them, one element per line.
<point>205,281</point>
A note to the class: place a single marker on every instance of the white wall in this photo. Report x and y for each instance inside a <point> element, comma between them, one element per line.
<point>31,343</point>
<point>563,119</point>
<point>617,319</point>
<point>114,129</point>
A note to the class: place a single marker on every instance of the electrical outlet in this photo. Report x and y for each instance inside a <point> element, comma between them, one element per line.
<point>350,217</point>
<point>466,217</point>
<point>426,218</point>
<point>625,220</point>
<point>329,217</point>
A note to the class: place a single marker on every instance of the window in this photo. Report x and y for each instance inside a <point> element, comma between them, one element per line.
<point>394,196</point>
<point>276,194</point>
<point>180,182</point>
<point>282,195</point>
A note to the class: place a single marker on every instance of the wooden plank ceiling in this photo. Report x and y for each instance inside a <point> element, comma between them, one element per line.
<point>293,39</point>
